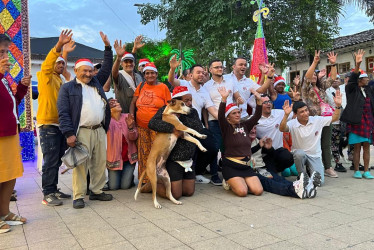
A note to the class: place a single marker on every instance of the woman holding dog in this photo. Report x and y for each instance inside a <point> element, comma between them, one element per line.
<point>236,161</point>
<point>148,98</point>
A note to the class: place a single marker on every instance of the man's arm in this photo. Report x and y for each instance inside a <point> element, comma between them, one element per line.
<point>213,111</point>
<point>283,127</point>
<point>106,86</point>
<point>69,47</point>
<point>120,51</point>
<point>138,43</point>
<point>174,63</point>
<point>132,104</point>
<point>63,107</point>
<point>105,69</point>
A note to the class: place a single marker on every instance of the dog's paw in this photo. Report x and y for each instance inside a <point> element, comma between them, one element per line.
<point>178,202</point>
<point>203,149</point>
<point>203,136</point>
<point>157,205</point>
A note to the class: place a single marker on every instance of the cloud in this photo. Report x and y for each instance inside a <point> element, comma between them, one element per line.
<point>82,33</point>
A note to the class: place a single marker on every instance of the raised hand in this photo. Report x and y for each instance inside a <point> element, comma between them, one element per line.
<point>4,65</point>
<point>259,98</point>
<point>317,57</point>
<point>271,70</point>
<point>130,121</point>
<point>268,143</point>
<point>105,39</point>
<point>264,68</point>
<point>332,57</point>
<point>338,99</point>
<point>119,48</point>
<point>26,80</point>
<point>224,93</point>
<point>65,37</point>
<point>287,108</point>
<point>138,42</point>
<point>295,94</point>
<point>296,81</point>
<point>174,63</point>
<point>70,46</point>
<point>359,55</point>
<point>239,101</point>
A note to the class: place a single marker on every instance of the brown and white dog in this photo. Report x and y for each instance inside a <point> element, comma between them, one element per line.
<point>161,148</point>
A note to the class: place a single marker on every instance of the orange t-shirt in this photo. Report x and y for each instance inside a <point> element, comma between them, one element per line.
<point>150,99</point>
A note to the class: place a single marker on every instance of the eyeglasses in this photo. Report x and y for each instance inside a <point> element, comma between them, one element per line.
<point>218,67</point>
<point>267,102</point>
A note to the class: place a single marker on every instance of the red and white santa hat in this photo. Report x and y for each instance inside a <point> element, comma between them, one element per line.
<point>143,61</point>
<point>60,58</point>
<point>128,56</point>
<point>83,62</point>
<point>363,74</point>
<point>230,108</point>
<point>150,66</point>
<point>180,91</point>
<point>279,79</point>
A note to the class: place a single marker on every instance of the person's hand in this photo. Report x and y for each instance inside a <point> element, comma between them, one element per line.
<point>295,94</point>
<point>224,93</point>
<point>322,73</point>
<point>65,37</point>
<point>70,46</point>
<point>261,142</point>
<point>174,63</point>
<point>239,101</point>
<point>259,98</point>
<point>338,99</point>
<point>332,57</point>
<point>178,133</point>
<point>14,88</point>
<point>287,108</point>
<point>264,68</point>
<point>105,39</point>
<point>130,121</point>
<point>26,80</point>
<point>271,71</point>
<point>4,65</point>
<point>296,81</point>
<point>268,143</point>
<point>112,103</point>
<point>359,55</point>
<point>119,48</point>
<point>138,42</point>
<point>317,54</point>
<point>71,141</point>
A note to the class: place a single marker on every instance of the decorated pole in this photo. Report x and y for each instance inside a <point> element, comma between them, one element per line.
<point>14,22</point>
<point>259,50</point>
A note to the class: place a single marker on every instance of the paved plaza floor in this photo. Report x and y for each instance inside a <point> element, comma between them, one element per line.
<point>341,216</point>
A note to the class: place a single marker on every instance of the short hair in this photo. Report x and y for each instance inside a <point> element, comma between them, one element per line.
<point>177,98</point>
<point>194,66</point>
<point>185,72</point>
<point>213,61</point>
<point>4,39</point>
<point>237,58</point>
<point>298,105</point>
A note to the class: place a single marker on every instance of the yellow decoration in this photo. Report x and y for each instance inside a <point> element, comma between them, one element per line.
<point>264,11</point>
<point>15,70</point>
<point>6,19</point>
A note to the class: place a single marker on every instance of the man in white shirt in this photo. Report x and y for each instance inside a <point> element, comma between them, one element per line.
<point>306,135</point>
<point>244,84</point>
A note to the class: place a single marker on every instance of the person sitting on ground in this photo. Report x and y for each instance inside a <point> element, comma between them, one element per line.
<point>182,182</point>
<point>121,148</point>
<point>358,115</point>
<point>306,134</point>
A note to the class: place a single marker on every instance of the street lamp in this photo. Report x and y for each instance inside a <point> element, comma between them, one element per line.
<point>139,4</point>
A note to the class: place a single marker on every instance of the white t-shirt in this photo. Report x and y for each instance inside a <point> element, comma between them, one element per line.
<point>200,97</point>
<point>212,87</point>
<point>269,127</point>
<point>308,137</point>
<point>244,87</point>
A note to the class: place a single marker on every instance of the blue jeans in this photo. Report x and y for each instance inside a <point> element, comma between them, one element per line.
<point>121,179</point>
<point>277,185</point>
<point>53,145</point>
<point>216,131</point>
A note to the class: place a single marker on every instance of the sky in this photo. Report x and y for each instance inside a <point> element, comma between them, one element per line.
<point>119,20</point>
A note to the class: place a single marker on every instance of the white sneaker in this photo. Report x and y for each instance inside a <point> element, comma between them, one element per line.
<point>314,182</point>
<point>300,186</point>
<point>201,179</point>
<point>225,185</point>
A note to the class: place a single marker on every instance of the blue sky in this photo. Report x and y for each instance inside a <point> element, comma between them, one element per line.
<point>119,20</point>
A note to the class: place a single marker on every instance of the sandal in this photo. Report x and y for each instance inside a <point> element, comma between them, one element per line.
<point>13,219</point>
<point>3,230</point>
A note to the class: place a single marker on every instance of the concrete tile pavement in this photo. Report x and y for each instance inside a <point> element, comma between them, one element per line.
<point>341,216</point>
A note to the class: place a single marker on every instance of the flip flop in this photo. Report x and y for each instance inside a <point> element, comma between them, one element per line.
<point>12,219</point>
<point>3,230</point>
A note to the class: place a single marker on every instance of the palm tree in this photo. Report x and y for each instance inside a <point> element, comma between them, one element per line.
<point>187,59</point>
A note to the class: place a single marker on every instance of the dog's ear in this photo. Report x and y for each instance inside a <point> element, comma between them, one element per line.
<point>172,102</point>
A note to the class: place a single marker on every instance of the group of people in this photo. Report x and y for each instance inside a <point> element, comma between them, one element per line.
<point>257,133</point>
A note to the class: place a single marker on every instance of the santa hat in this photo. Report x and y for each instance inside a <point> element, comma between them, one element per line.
<point>230,108</point>
<point>362,73</point>
<point>60,58</point>
<point>128,56</point>
<point>150,66</point>
<point>180,91</point>
<point>279,79</point>
<point>143,61</point>
<point>82,62</point>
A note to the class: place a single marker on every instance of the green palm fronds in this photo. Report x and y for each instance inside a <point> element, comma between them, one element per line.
<point>187,59</point>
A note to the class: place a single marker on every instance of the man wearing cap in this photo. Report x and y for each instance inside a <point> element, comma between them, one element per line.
<point>84,116</point>
<point>52,141</point>
<point>126,80</point>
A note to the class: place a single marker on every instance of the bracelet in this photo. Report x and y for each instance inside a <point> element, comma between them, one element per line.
<point>270,77</point>
<point>332,65</point>
<point>338,107</point>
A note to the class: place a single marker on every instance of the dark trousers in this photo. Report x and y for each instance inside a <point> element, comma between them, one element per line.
<point>277,160</point>
<point>203,159</point>
<point>53,145</point>
<point>277,185</point>
<point>216,131</point>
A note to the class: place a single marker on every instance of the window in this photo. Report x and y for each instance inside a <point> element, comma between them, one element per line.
<point>344,67</point>
<point>293,74</point>
<point>369,64</point>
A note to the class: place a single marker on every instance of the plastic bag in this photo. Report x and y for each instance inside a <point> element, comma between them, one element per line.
<point>75,156</point>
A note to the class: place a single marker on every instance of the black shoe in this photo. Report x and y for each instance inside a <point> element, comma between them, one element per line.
<point>13,197</point>
<point>78,203</point>
<point>61,196</point>
<point>339,168</point>
<point>219,169</point>
<point>51,200</point>
<point>215,180</point>
<point>101,197</point>
<point>352,167</point>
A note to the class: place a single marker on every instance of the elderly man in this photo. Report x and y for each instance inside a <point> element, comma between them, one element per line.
<point>52,141</point>
<point>84,115</point>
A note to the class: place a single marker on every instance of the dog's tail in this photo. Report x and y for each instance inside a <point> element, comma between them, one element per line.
<point>139,185</point>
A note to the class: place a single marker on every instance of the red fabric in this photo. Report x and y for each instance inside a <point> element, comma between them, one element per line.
<point>125,147</point>
<point>259,56</point>
<point>365,129</point>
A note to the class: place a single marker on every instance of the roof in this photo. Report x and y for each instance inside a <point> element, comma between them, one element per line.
<point>41,46</point>
<point>343,41</point>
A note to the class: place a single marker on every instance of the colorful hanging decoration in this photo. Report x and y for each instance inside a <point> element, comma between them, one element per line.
<point>187,59</point>
<point>260,55</point>
<point>14,22</point>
